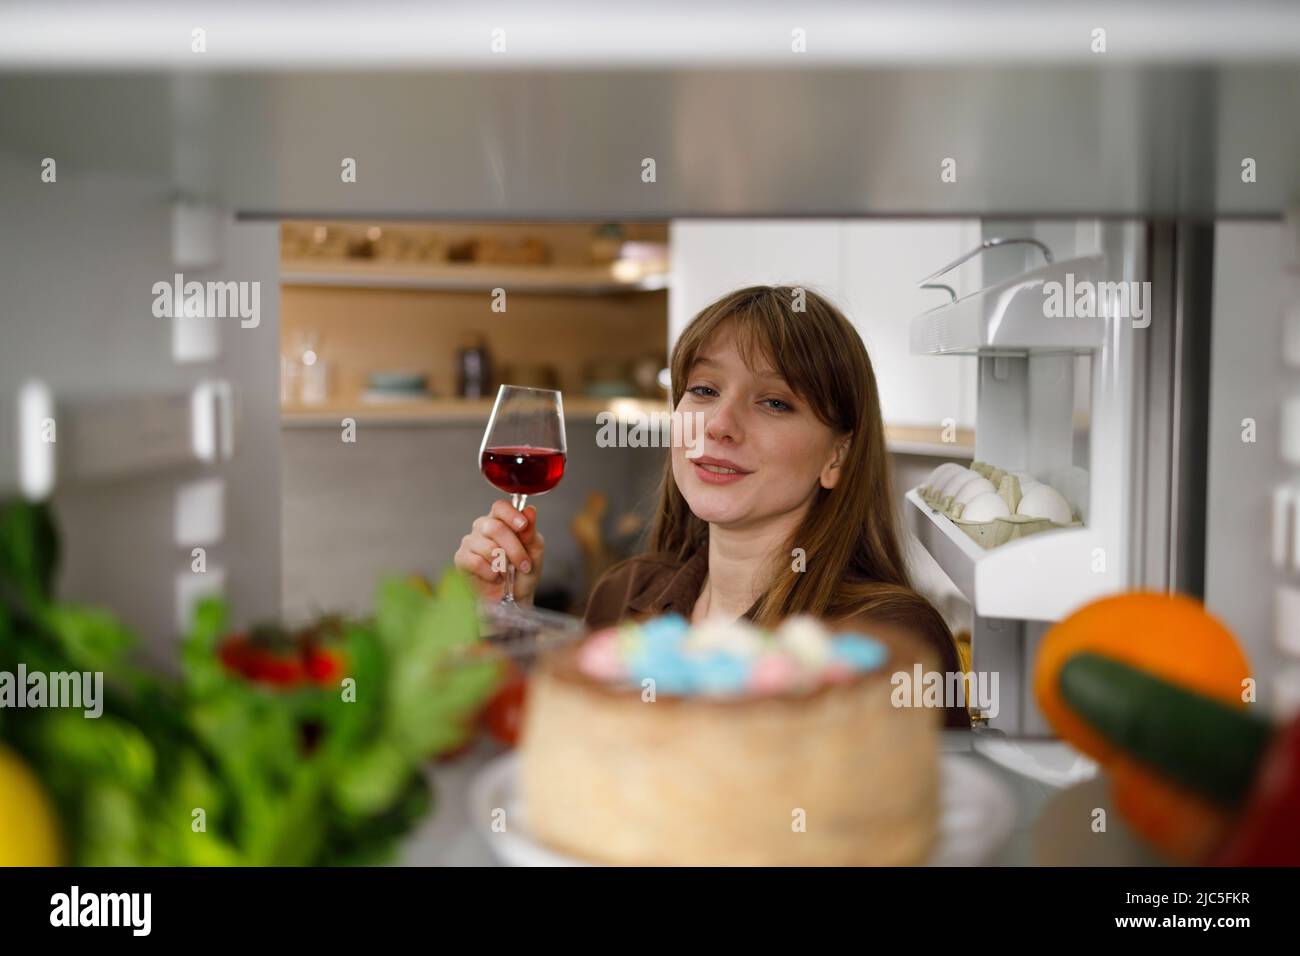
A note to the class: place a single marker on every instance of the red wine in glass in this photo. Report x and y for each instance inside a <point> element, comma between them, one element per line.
<point>523,471</point>
<point>523,450</point>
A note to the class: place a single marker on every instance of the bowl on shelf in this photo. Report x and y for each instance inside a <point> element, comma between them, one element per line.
<point>610,390</point>
<point>609,378</point>
<point>396,386</point>
<point>398,381</point>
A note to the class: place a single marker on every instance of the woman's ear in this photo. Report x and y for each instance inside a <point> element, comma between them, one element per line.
<point>831,472</point>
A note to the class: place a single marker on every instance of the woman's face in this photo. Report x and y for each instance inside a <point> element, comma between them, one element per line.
<point>761,453</point>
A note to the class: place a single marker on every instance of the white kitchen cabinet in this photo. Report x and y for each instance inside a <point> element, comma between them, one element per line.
<point>869,268</point>
<point>883,260</point>
<point>713,257</point>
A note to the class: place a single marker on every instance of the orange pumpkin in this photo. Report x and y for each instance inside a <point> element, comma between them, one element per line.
<point>1167,635</point>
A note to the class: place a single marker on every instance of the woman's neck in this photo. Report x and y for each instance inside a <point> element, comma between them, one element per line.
<point>740,562</point>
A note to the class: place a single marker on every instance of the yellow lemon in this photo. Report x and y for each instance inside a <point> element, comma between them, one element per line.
<point>29,830</point>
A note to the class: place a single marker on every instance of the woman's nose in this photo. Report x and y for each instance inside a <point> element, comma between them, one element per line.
<point>723,423</point>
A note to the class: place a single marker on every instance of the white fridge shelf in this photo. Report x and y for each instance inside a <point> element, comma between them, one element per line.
<point>1042,577</point>
<point>1009,318</point>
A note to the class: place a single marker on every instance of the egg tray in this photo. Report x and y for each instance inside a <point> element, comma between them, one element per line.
<point>990,534</point>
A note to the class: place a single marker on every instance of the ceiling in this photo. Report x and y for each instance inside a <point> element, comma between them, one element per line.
<point>615,34</point>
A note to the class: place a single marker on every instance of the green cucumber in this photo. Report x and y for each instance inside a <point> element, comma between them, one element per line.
<point>1204,744</point>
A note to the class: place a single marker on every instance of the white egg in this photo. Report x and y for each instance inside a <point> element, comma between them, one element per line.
<point>985,507</point>
<point>1072,482</point>
<point>940,475</point>
<point>1026,480</point>
<point>972,490</point>
<point>1044,501</point>
<point>956,482</point>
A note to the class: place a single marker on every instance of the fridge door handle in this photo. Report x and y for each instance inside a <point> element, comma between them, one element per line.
<point>994,243</point>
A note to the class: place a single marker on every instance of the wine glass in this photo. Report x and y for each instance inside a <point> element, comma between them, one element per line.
<point>523,451</point>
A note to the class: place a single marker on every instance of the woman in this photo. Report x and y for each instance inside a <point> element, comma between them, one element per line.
<point>783,507</point>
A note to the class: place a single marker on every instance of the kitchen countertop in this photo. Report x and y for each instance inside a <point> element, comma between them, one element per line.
<point>1053,825</point>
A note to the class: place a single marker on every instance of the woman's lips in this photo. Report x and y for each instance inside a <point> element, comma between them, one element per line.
<point>717,471</point>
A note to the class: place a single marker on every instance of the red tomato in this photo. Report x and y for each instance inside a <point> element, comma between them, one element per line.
<point>234,652</point>
<point>505,712</point>
<point>280,670</point>
<point>323,666</point>
<point>277,658</point>
<point>242,656</point>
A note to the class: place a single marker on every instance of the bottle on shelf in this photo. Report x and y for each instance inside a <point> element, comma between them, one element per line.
<point>473,367</point>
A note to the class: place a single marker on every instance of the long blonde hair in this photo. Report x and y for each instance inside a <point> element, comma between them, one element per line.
<point>849,535</point>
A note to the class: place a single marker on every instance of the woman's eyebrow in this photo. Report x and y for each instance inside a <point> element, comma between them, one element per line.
<point>770,377</point>
<point>765,375</point>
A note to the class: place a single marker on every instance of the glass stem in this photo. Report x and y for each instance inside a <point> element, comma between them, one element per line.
<point>518,502</point>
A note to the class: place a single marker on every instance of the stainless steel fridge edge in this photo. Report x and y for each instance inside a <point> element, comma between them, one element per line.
<point>1169,528</point>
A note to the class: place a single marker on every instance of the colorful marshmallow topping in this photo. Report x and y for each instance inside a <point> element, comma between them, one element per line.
<point>727,658</point>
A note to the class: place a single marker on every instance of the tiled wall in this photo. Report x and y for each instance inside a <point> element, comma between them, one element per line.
<point>400,498</point>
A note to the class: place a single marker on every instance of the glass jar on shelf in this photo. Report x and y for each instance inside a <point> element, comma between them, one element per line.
<point>304,371</point>
<point>290,377</point>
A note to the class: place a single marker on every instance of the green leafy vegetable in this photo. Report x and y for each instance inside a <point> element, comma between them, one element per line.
<point>211,769</point>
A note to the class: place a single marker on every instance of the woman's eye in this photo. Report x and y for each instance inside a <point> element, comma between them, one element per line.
<point>777,405</point>
<point>703,391</point>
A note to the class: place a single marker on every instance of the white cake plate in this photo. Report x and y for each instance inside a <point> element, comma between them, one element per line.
<point>977,815</point>
<point>1052,762</point>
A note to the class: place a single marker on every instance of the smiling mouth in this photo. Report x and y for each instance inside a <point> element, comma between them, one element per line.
<point>716,473</point>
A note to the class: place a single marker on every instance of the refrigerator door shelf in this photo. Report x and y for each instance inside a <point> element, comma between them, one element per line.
<point>1059,307</point>
<point>1042,577</point>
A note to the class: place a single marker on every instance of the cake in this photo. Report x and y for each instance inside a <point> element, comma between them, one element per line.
<point>721,744</point>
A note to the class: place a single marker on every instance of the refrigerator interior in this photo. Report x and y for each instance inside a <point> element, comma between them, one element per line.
<point>196,182</point>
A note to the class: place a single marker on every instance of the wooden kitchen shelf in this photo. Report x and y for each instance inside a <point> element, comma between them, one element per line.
<point>449,411</point>
<point>1041,577</point>
<point>900,440</point>
<point>929,443</point>
<point>467,277</point>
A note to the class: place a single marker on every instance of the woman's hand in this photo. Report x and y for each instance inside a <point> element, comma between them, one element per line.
<point>503,536</point>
